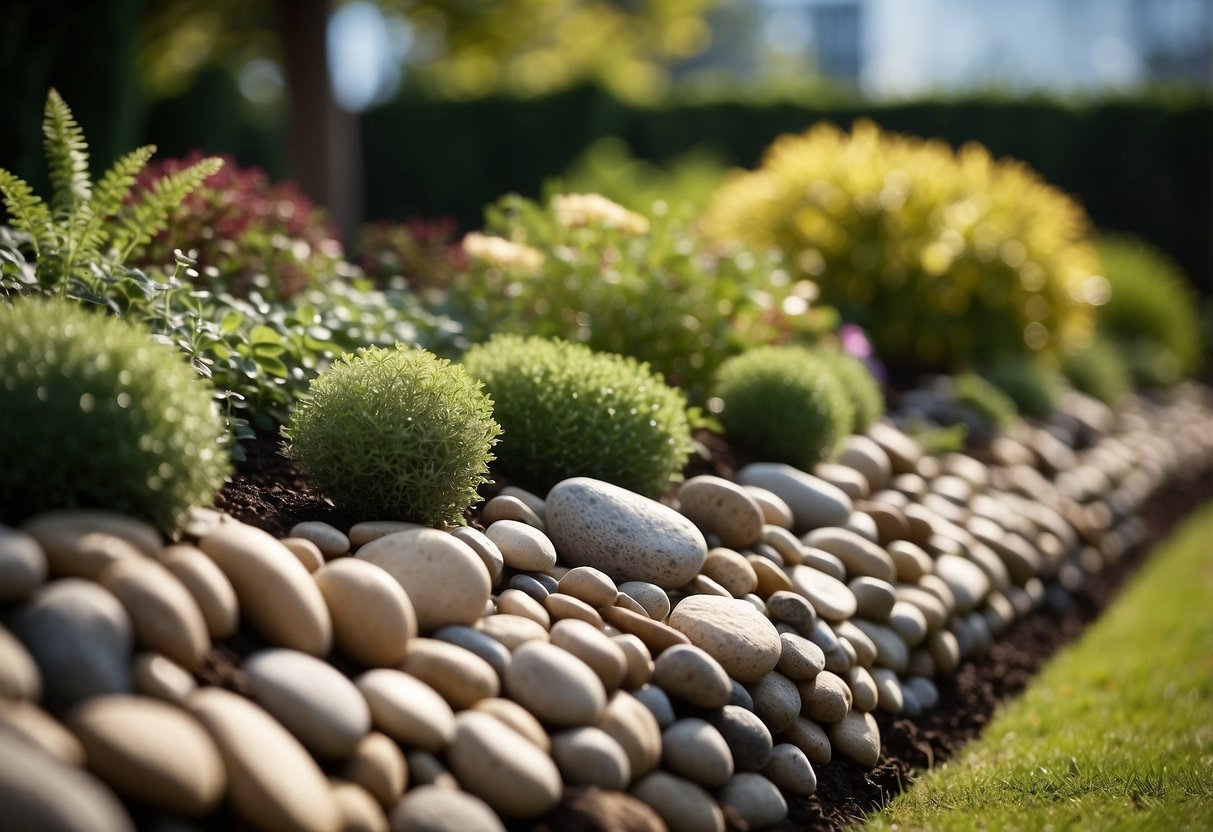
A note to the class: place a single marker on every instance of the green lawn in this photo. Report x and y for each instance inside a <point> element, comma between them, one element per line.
<point>1116,733</point>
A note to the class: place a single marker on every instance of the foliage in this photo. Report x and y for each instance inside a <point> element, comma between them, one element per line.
<point>784,404</point>
<point>245,233</point>
<point>945,257</point>
<point>587,270</point>
<point>424,254</point>
<point>395,434</point>
<point>861,388</point>
<point>87,228</point>
<point>568,411</point>
<point>992,405</point>
<point>1099,370</point>
<point>98,415</point>
<point>1033,386</point>
<point>1151,314</point>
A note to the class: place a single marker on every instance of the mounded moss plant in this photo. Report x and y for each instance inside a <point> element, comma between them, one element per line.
<point>862,389</point>
<point>1034,387</point>
<point>991,405</point>
<point>1099,370</point>
<point>568,411</point>
<point>94,413</point>
<point>395,434</point>
<point>784,404</point>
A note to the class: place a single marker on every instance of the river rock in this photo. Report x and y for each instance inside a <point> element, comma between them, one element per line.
<point>330,540</point>
<point>874,598</point>
<point>857,737</point>
<point>591,585</point>
<point>522,546</point>
<point>554,685</point>
<point>517,602</point>
<point>407,709</point>
<point>791,608</point>
<point>652,598</point>
<point>743,640</point>
<point>730,570</point>
<point>632,725</point>
<point>864,694</point>
<point>639,660</point>
<point>277,595</point>
<point>825,698</point>
<point>593,647</point>
<point>908,621</point>
<point>891,651</point>
<point>658,703</point>
<point>162,678</point>
<point>39,792</point>
<point>968,583</point>
<point>80,638</point>
<point>890,695</point>
<point>459,675</point>
<point>518,718</point>
<point>830,597</point>
<point>435,809</point>
<point>445,580</point>
<point>790,770</point>
<point>22,565</point>
<point>273,783</point>
<point>357,808</point>
<point>484,549</point>
<point>626,535</point>
<point>747,736</point>
<point>683,805</point>
<point>164,615</point>
<point>561,606</point>
<point>373,618</point>
<point>588,756</point>
<point>658,637</point>
<point>19,677</point>
<point>478,642</point>
<point>39,730</point>
<point>151,752</point>
<point>378,765</point>
<point>812,500</point>
<point>212,591</point>
<point>307,552</point>
<point>691,674</point>
<point>512,631</point>
<point>694,749</point>
<point>799,658</point>
<point>859,555</point>
<point>776,701</point>
<point>868,458</point>
<point>496,763</point>
<point>723,508</point>
<point>811,738</point>
<point>311,698</point>
<point>755,799</point>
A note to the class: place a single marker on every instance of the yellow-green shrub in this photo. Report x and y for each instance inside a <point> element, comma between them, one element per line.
<point>945,257</point>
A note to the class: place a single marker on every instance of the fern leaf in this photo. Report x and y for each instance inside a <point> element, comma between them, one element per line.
<point>66,156</point>
<point>28,212</point>
<point>149,215</point>
<point>115,186</point>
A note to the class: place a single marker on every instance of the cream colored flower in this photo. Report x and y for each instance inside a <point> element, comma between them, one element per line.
<point>580,210</point>
<point>503,254</point>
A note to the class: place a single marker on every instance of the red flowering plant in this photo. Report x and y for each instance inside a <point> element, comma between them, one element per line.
<point>418,254</point>
<point>247,234</point>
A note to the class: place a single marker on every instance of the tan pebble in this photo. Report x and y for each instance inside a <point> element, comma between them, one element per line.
<point>71,553</point>
<point>864,647</point>
<point>928,605</point>
<point>813,501</point>
<point>512,630</point>
<point>151,752</point>
<point>278,597</point>
<point>683,805</point>
<point>847,480</point>
<point>494,762</point>
<point>462,677</point>
<point>554,685</point>
<point>518,718</point>
<point>19,674</point>
<point>790,770</point>
<point>731,570</point>
<point>775,511</point>
<point>657,636</point>
<point>37,728</point>
<point>742,639</point>
<point>378,765</point>
<point>588,643</point>
<point>703,585</point>
<point>691,674</point>
<point>859,555</point>
<point>55,528</point>
<point>830,597</point>
<point>639,660</point>
<point>509,507</point>
<point>723,508</point>
<point>533,501</point>
<point>786,544</point>
<point>593,586</point>
<point>800,658</point>
<point>436,809</point>
<point>867,457</point>
<point>945,650</point>
<point>373,618</point>
<point>825,698</point>
<point>810,738</point>
<point>654,599</point>
<point>857,737</point>
<point>160,677</point>
<point>444,578</point>
<point>164,615</point>
<point>921,663</point>
<point>306,551</point>
<point>427,770</point>
<point>864,693</point>
<point>874,598</point>
<point>211,589</point>
<point>791,608</point>
<point>22,565</point>
<point>776,701</point>
<point>891,651</point>
<point>357,808</point>
<point>588,756</point>
<point>910,624</point>
<point>331,541</point>
<point>890,696</point>
<point>561,606</point>
<point>891,524</point>
<point>273,782</point>
<point>634,727</point>
<point>484,548</point>
<point>368,530</point>
<point>937,587</point>
<point>523,547</point>
<point>407,709</point>
<point>771,578</point>
<point>629,603</point>
<point>694,749</point>
<point>517,602</point>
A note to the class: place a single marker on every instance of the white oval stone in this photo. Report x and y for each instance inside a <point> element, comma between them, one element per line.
<point>19,676</point>
<point>634,727</point>
<point>459,675</point>
<point>593,647</point>
<point>743,640</point>
<point>377,765</point>
<point>330,540</point>
<point>829,596</point>
<point>857,737</point>
<point>591,585</point>
<point>162,678</point>
<point>626,535</point>
<point>407,709</point>
<point>373,618</point>
<point>39,792</point>
<point>522,546</point>
<point>555,685</point>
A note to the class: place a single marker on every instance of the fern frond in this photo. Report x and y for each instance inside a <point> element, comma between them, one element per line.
<point>66,156</point>
<point>28,212</point>
<point>112,190</point>
<point>149,215</point>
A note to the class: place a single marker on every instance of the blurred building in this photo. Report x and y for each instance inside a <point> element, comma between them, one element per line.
<point>891,48</point>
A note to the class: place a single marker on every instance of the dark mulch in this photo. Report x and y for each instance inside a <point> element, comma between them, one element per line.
<point>271,492</point>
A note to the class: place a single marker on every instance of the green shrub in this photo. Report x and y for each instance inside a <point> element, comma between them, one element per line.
<point>1151,312</point>
<point>1098,370</point>
<point>1033,387</point>
<point>784,404</point>
<point>94,413</point>
<point>946,258</point>
<point>862,389</point>
<point>568,411</point>
<point>992,406</point>
<point>395,434</point>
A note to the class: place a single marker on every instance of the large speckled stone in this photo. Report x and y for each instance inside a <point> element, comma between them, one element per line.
<point>626,535</point>
<point>813,501</point>
<point>743,640</point>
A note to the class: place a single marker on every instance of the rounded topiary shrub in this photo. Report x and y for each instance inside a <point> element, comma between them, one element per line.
<point>861,387</point>
<point>568,411</point>
<point>1098,370</point>
<point>784,404</point>
<point>395,434</point>
<point>992,406</point>
<point>94,413</point>
<point>1033,387</point>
